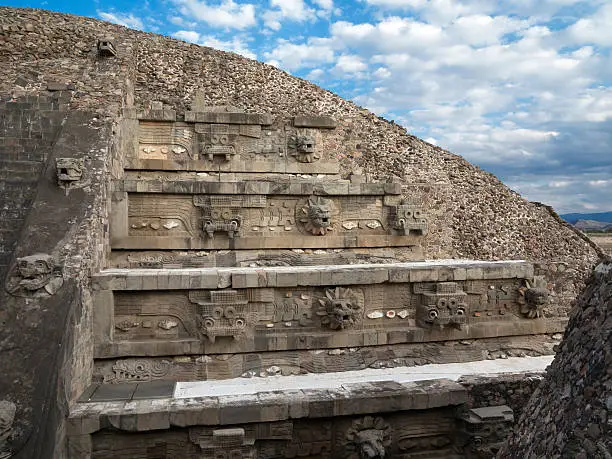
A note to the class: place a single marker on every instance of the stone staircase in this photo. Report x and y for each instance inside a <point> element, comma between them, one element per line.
<point>239,252</point>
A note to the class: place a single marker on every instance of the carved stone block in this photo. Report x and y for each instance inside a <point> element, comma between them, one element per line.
<point>35,276</point>
<point>484,430</point>
<point>442,305</point>
<point>106,48</point>
<point>69,171</point>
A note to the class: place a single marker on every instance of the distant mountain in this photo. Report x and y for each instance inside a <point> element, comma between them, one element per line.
<point>592,225</point>
<point>598,217</point>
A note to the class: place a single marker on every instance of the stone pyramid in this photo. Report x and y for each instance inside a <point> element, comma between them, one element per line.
<point>240,264</point>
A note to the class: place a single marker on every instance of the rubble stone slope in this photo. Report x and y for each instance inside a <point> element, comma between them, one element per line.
<point>475,216</point>
<point>569,415</point>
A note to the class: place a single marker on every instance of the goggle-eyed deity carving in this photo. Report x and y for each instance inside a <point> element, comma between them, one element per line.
<point>442,305</point>
<point>226,314</point>
<point>218,142</point>
<point>409,219</point>
<point>367,438</point>
<point>35,276</point>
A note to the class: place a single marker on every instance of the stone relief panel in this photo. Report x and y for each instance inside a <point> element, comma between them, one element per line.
<point>314,317</point>
<point>35,276</point>
<point>154,317</point>
<point>231,139</point>
<point>260,258</point>
<point>140,370</point>
<point>259,221</point>
<point>297,362</point>
<point>164,140</point>
<point>367,438</point>
<point>484,430</point>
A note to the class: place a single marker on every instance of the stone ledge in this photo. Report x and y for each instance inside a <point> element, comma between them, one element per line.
<point>301,187</point>
<point>212,278</point>
<point>357,338</point>
<point>349,399</point>
<point>235,165</point>
<point>228,118</point>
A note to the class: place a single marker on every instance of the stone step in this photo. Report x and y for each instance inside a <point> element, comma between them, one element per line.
<point>166,312</point>
<point>251,187</point>
<point>447,270</point>
<point>318,413</point>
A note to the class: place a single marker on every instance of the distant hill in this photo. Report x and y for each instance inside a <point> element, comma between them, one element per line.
<point>605,217</point>
<point>592,225</point>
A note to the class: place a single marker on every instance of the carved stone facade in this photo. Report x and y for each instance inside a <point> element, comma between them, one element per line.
<point>35,276</point>
<point>241,252</point>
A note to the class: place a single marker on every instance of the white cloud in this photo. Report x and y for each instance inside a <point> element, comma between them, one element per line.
<point>291,56</point>
<point>126,20</point>
<point>595,29</point>
<point>235,45</point>
<point>188,35</point>
<point>397,3</point>
<point>227,14</point>
<point>327,5</point>
<point>350,64</point>
<point>292,10</point>
<point>315,74</point>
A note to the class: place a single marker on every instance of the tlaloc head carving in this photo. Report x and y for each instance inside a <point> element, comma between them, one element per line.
<point>317,215</point>
<point>367,438</point>
<point>443,306</point>
<point>35,276</point>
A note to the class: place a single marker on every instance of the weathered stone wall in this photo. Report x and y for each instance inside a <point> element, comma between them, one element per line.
<point>512,389</point>
<point>58,101</point>
<point>29,126</point>
<point>570,413</point>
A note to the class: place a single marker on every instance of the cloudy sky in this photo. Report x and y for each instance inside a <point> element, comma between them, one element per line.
<point>522,88</point>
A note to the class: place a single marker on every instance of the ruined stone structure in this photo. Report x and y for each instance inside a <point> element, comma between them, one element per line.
<point>189,222</point>
<point>570,414</point>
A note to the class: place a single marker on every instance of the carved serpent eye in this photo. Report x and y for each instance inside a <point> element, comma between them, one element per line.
<point>209,322</point>
<point>460,311</point>
<point>433,314</point>
<point>239,323</point>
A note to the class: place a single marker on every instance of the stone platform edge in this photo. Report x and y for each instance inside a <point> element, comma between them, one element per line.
<point>351,399</point>
<point>216,278</point>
